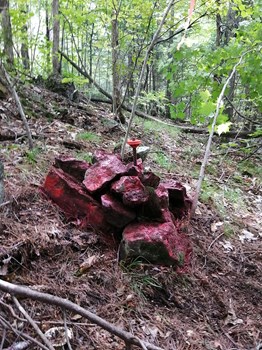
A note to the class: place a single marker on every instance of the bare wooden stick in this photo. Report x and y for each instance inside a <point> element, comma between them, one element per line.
<point>66,332</point>
<point>5,324</point>
<point>33,324</point>
<point>21,345</point>
<point>17,290</point>
<point>19,105</point>
<point>3,339</point>
<point>208,146</point>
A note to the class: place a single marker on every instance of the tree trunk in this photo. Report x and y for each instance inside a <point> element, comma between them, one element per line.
<point>2,191</point>
<point>225,31</point>
<point>169,95</point>
<point>115,71</point>
<point>47,34</point>
<point>7,34</point>
<point>56,34</point>
<point>91,51</point>
<point>24,45</point>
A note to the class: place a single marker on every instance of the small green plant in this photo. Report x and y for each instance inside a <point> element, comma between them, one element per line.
<point>84,156</point>
<point>87,136</point>
<point>181,258</point>
<point>208,192</point>
<point>229,229</point>
<point>141,282</point>
<point>32,155</point>
<point>248,168</point>
<point>234,197</point>
<point>162,160</point>
<point>157,128</point>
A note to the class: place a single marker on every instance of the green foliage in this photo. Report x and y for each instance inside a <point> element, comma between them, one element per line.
<point>153,100</point>
<point>76,79</point>
<point>32,155</point>
<point>88,136</point>
<point>162,160</point>
<point>84,156</point>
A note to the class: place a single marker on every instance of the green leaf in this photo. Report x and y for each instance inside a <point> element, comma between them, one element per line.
<point>221,119</point>
<point>223,128</point>
<point>205,95</point>
<point>206,108</point>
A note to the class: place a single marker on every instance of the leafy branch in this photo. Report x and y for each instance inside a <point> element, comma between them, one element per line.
<point>209,142</point>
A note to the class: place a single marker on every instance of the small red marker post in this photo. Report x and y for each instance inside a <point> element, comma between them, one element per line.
<point>134,143</point>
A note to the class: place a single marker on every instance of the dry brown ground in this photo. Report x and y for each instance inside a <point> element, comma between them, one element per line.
<point>217,304</point>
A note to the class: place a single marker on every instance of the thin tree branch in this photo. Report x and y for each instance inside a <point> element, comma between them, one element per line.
<point>3,339</point>
<point>33,324</point>
<point>19,105</point>
<point>179,31</point>
<point>170,4</point>
<point>85,74</point>
<point>69,305</point>
<point>239,114</point>
<point>66,332</point>
<point>21,334</point>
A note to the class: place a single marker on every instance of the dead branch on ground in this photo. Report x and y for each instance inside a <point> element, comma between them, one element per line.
<point>33,324</point>
<point>26,292</point>
<point>19,105</point>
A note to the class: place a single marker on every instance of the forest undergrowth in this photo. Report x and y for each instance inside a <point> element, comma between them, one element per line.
<point>216,304</point>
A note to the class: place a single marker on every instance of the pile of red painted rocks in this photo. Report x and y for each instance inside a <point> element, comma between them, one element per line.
<point>111,197</point>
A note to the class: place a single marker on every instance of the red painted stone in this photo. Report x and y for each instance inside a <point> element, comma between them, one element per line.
<point>162,194</point>
<point>135,170</point>
<point>157,243</point>
<point>101,154</point>
<point>116,214</point>
<point>100,174</point>
<point>72,198</point>
<point>153,231</point>
<point>151,209</point>
<point>131,189</point>
<point>179,202</point>
<point>150,179</point>
<point>75,168</point>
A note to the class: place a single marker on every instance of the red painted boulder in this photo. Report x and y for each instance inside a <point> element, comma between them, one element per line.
<point>150,179</point>
<point>100,174</point>
<point>75,168</point>
<point>157,243</point>
<point>152,216</point>
<point>179,202</point>
<point>135,170</point>
<point>116,214</point>
<point>132,191</point>
<point>72,198</point>
<point>162,194</point>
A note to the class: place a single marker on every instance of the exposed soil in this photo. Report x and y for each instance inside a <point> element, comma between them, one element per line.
<point>216,304</point>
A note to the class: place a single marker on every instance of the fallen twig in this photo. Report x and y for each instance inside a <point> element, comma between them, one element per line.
<point>6,324</point>
<point>21,345</point>
<point>33,324</point>
<point>9,307</point>
<point>3,339</point>
<point>66,332</point>
<point>69,305</point>
<point>19,106</point>
<point>4,204</point>
<point>214,241</point>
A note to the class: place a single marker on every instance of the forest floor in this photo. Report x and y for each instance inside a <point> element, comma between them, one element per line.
<point>215,305</point>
